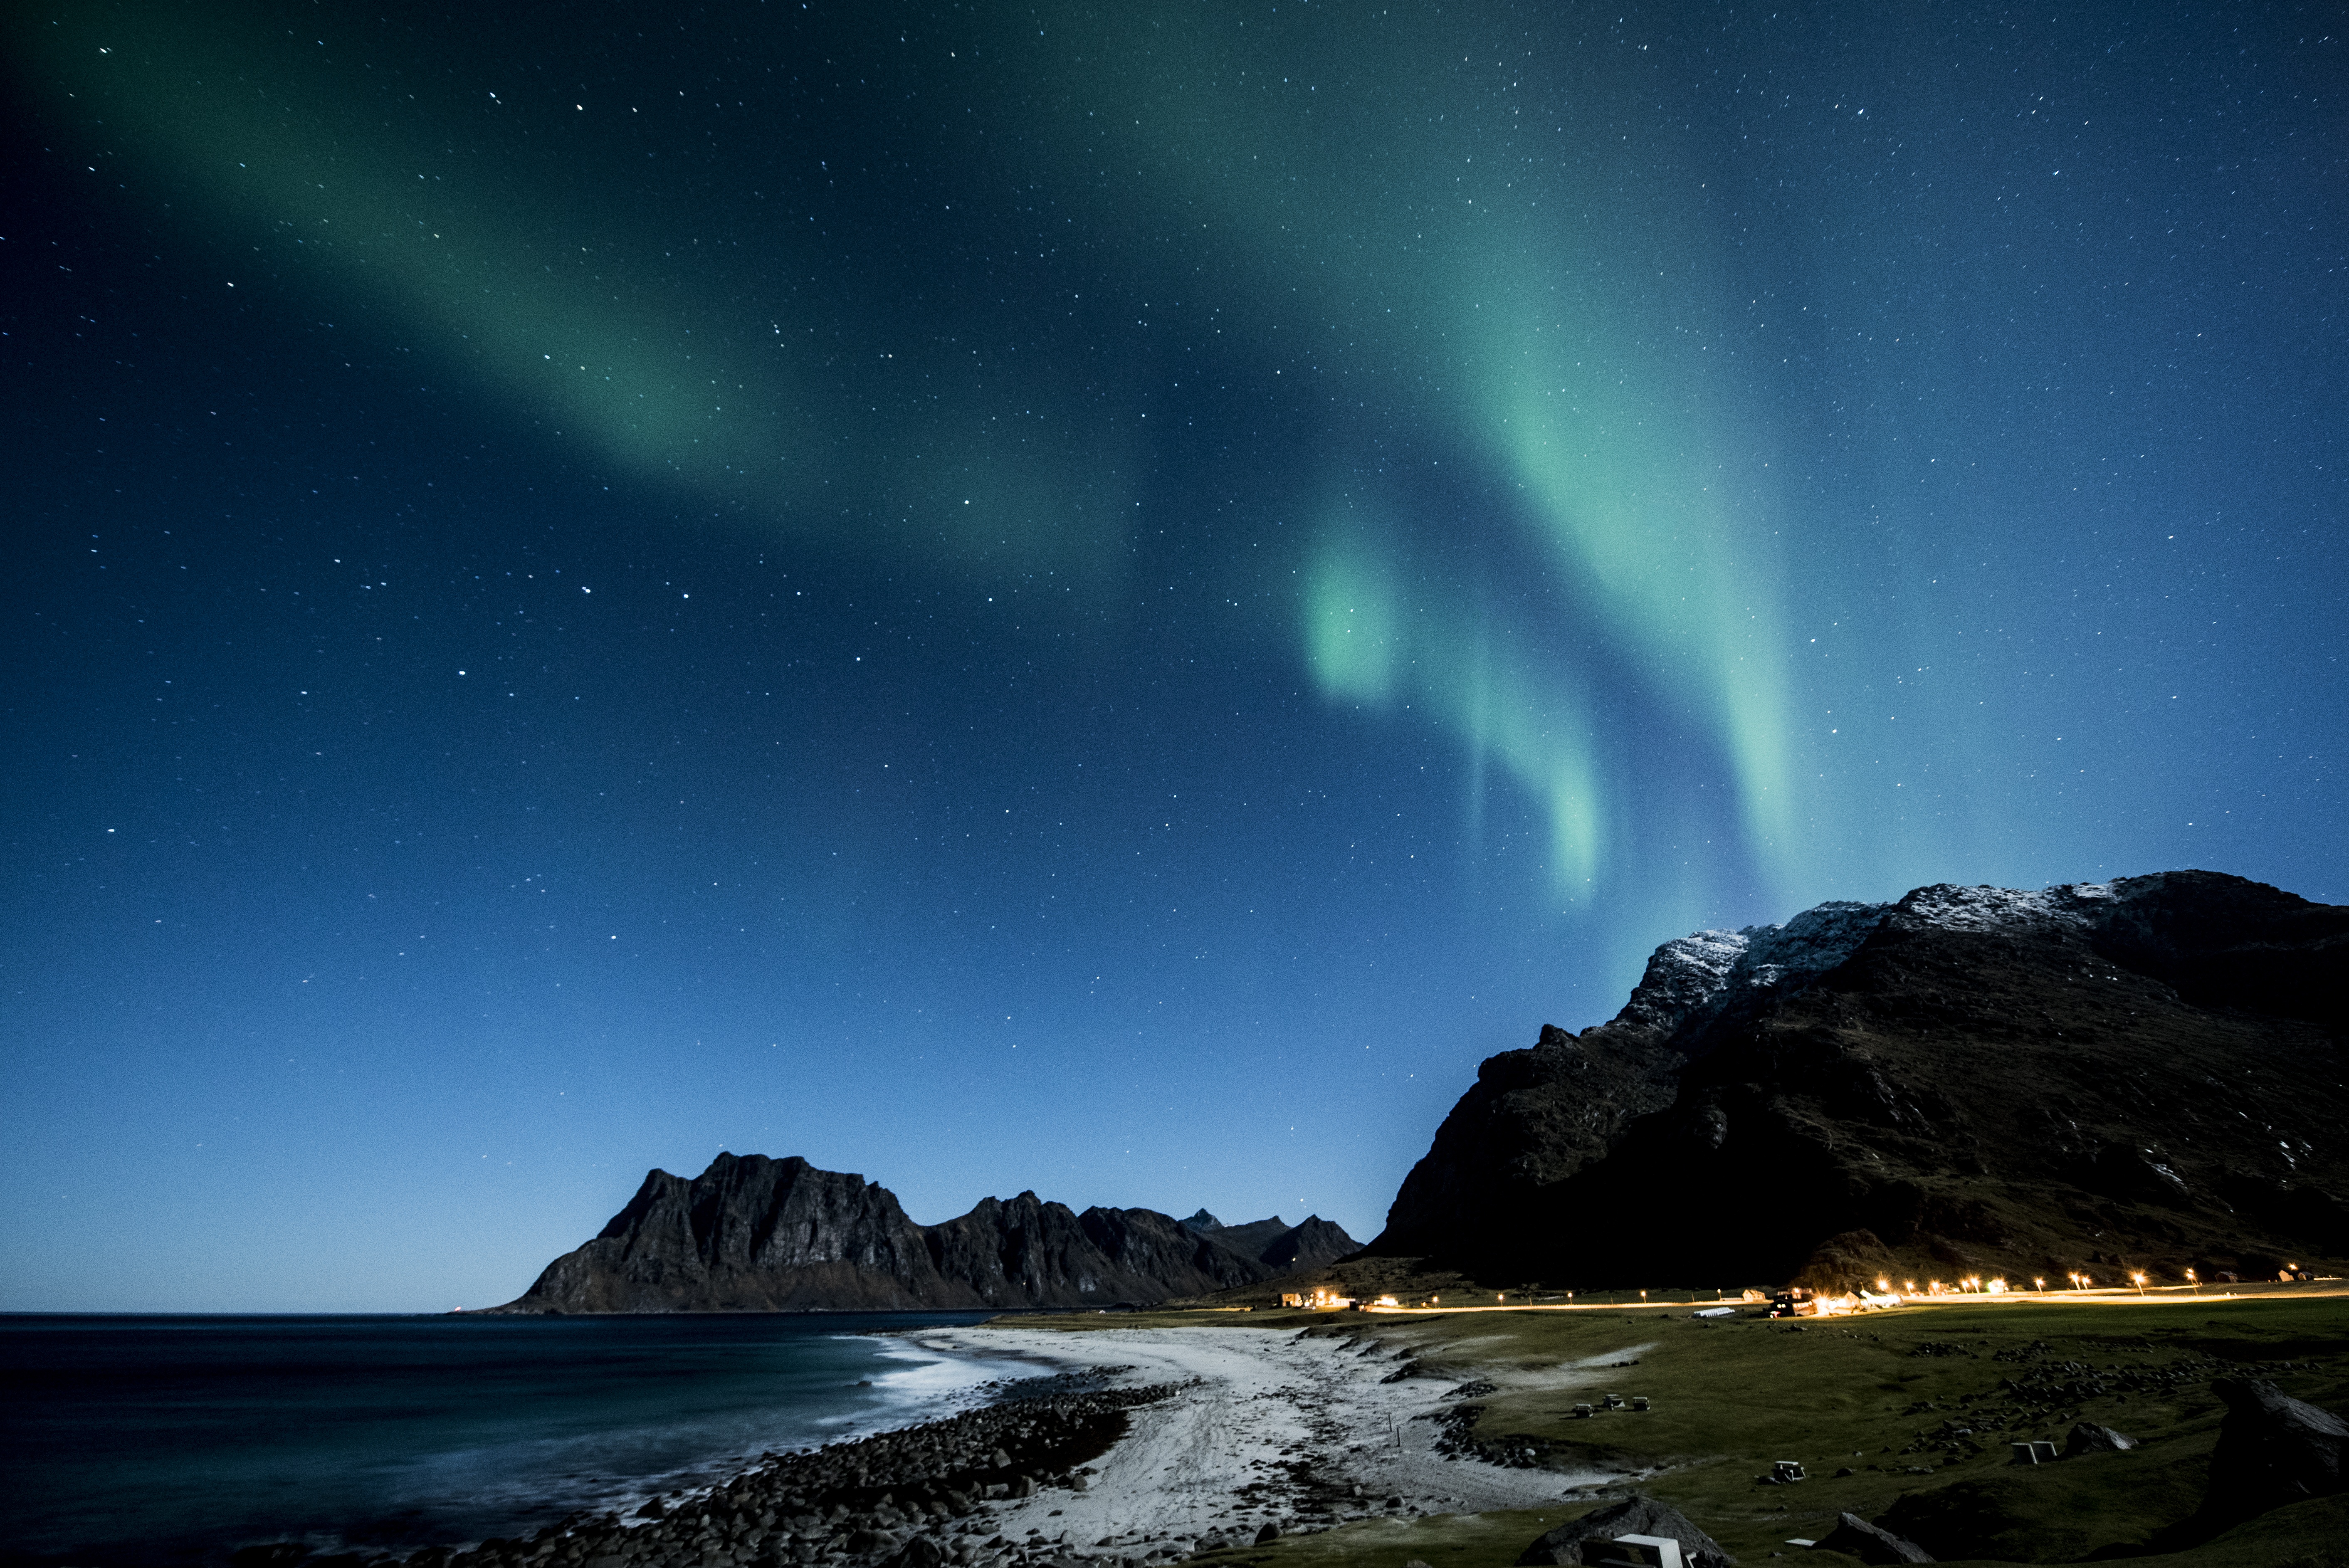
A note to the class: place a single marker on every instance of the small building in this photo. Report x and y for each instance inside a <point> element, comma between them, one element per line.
<point>1320,1298</point>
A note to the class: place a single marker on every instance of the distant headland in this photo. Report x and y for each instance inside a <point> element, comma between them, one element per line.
<point>755,1234</point>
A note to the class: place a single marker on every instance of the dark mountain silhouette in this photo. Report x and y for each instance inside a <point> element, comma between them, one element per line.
<point>1280,1246</point>
<point>2144,1073</point>
<point>755,1234</point>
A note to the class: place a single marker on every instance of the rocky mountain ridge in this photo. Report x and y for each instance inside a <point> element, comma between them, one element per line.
<point>2150,1070</point>
<point>1278,1246</point>
<point>755,1234</point>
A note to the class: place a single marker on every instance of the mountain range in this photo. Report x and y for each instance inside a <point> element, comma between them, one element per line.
<point>755,1234</point>
<point>2146,1073</point>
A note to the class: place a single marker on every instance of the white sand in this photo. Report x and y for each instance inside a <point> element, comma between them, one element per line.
<point>1260,1397</point>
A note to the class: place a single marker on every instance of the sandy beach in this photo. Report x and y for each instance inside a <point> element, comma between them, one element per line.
<point>1299,1431</point>
<point>1093,1446</point>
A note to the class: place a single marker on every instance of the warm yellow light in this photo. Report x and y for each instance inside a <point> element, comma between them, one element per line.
<point>1883,1284</point>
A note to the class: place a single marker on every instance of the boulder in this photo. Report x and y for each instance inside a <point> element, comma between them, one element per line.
<point>1855,1537</point>
<point>2087,1438</point>
<point>1638,1514</point>
<point>2273,1449</point>
<point>919,1552</point>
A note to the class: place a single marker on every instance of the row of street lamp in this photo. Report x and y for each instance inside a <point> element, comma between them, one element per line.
<point>1975,1283</point>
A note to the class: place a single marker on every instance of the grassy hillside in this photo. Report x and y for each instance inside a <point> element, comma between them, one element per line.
<point>1873,1408</point>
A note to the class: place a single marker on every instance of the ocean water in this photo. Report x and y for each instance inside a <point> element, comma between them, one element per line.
<point>173,1441</point>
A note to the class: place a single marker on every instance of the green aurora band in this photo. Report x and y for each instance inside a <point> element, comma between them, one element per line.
<point>654,356</point>
<point>1464,245</point>
<point>1460,256</point>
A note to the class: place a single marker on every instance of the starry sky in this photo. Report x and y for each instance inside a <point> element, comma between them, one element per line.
<point>1101,599</point>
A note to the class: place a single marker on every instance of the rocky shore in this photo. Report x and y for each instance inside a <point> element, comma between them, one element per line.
<point>915,1497</point>
<point>1149,1446</point>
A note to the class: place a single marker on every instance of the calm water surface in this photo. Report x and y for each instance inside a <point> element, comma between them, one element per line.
<point>175,1439</point>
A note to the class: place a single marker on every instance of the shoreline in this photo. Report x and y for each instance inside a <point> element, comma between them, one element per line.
<point>1298,1429</point>
<point>1123,1447</point>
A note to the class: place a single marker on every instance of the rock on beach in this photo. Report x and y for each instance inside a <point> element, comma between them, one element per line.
<point>915,1497</point>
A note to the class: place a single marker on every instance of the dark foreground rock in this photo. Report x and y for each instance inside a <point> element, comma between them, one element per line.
<point>913,1498</point>
<point>1855,1537</point>
<point>2146,1073</point>
<point>2273,1449</point>
<point>1638,1514</point>
<point>755,1234</point>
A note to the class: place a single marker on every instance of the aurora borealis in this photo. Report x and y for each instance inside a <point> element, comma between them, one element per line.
<point>1094,600</point>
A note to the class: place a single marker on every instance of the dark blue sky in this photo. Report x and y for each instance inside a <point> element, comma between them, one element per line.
<point>1094,601</point>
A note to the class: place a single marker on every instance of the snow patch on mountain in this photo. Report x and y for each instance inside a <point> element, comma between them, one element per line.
<point>1950,908</point>
<point>1692,980</point>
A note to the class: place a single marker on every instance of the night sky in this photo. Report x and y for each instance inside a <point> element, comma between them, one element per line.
<point>1097,599</point>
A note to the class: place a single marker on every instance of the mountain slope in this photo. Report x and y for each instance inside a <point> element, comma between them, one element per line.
<point>2149,1072</point>
<point>755,1234</point>
<point>1274,1242</point>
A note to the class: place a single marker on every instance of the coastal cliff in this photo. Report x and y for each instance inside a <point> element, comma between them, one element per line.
<point>755,1234</point>
<point>2146,1072</point>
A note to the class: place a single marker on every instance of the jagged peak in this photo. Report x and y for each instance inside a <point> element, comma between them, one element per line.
<point>1683,977</point>
<point>1691,979</point>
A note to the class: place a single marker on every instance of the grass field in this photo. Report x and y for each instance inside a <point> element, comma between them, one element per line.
<point>1872,1408</point>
